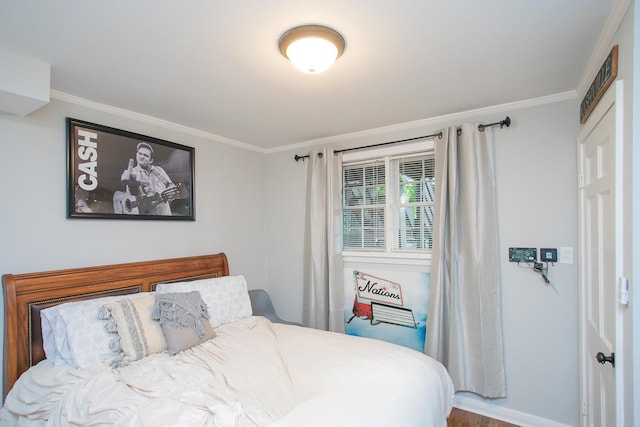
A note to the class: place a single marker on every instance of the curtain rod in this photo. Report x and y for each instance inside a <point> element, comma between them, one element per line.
<point>506,122</point>
<point>439,135</point>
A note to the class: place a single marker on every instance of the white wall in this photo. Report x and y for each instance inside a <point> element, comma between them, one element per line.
<point>285,192</point>
<point>37,236</point>
<point>537,205</point>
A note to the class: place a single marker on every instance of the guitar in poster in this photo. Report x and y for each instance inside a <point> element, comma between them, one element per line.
<point>126,203</point>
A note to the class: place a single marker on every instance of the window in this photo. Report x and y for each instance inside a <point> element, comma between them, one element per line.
<point>416,192</point>
<point>387,202</point>
<point>363,205</point>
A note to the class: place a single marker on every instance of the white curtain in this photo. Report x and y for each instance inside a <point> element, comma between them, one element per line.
<point>464,326</point>
<point>323,300</point>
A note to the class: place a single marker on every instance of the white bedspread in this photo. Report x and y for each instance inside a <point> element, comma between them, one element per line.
<point>254,373</point>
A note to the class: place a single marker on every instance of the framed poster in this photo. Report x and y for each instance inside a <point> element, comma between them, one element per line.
<point>115,174</point>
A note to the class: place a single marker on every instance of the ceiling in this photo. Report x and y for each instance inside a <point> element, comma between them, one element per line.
<point>214,65</point>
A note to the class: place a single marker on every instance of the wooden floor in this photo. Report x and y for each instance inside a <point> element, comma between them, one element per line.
<point>460,418</point>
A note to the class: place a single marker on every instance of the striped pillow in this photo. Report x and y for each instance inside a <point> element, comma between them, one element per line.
<point>139,334</point>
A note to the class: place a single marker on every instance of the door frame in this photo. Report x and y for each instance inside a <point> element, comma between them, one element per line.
<point>613,97</point>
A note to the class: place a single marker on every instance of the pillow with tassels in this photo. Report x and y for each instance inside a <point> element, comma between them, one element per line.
<point>138,334</point>
<point>184,320</point>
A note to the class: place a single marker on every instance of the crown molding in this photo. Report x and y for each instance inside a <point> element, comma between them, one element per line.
<point>439,120</point>
<point>430,122</point>
<point>65,97</point>
<point>603,46</point>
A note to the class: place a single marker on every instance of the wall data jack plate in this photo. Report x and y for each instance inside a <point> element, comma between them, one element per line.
<point>549,254</point>
<point>523,254</point>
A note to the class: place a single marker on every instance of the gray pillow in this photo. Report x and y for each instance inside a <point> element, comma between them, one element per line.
<point>179,339</point>
<point>184,320</point>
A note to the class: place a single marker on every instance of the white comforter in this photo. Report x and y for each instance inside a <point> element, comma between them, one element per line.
<point>254,373</point>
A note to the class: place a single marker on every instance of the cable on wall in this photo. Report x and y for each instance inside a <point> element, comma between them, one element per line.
<point>543,270</point>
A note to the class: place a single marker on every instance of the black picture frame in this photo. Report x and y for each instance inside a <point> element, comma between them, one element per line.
<point>117,174</point>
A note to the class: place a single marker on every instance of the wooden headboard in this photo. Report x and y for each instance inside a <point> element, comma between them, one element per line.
<point>26,294</point>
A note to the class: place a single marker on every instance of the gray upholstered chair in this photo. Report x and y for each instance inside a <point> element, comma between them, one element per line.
<point>262,306</point>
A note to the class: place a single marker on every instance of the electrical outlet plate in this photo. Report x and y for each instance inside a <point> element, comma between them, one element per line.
<point>523,254</point>
<point>548,254</point>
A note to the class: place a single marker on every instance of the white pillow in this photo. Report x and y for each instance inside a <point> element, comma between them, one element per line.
<point>73,333</point>
<point>54,337</point>
<point>227,297</point>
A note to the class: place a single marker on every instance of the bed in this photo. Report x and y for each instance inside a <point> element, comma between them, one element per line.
<point>232,368</point>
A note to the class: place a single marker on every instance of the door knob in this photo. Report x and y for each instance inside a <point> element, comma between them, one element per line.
<point>601,358</point>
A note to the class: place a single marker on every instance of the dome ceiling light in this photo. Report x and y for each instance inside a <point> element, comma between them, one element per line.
<point>311,48</point>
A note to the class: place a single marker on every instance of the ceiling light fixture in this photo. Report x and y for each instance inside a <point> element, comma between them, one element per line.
<point>311,48</point>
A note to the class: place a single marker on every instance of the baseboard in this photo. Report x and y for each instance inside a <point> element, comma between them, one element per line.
<point>497,412</point>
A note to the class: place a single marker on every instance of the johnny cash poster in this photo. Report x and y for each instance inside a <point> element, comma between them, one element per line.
<point>387,305</point>
<point>117,174</point>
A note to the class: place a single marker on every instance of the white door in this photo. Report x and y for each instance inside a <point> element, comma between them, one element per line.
<point>599,249</point>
